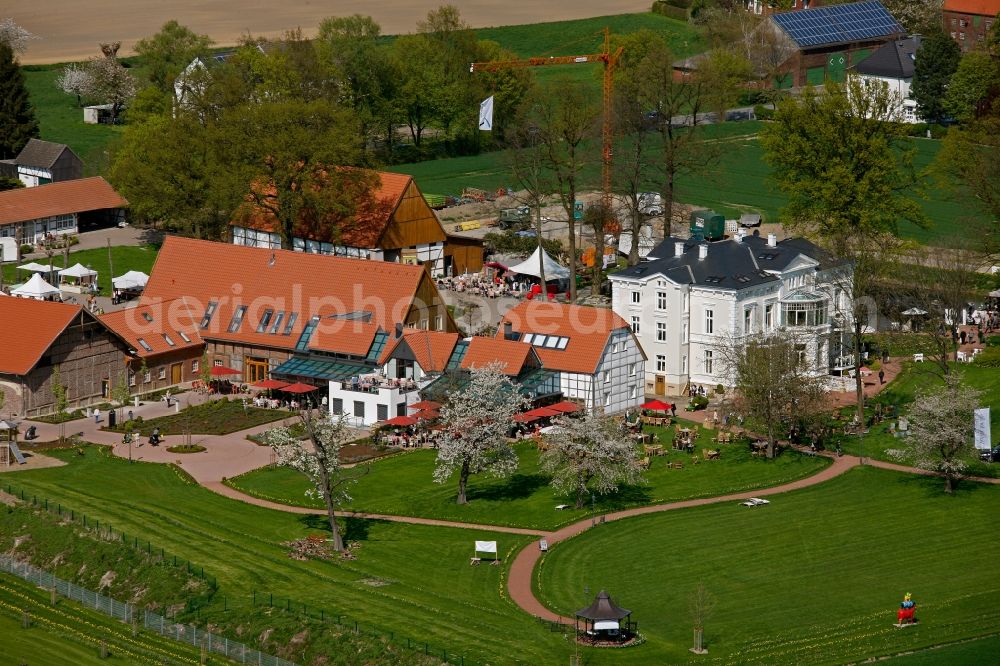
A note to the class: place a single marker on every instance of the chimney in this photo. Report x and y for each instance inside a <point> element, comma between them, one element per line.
<point>702,251</point>
<point>772,240</point>
<point>508,330</point>
<point>679,248</point>
<point>399,330</point>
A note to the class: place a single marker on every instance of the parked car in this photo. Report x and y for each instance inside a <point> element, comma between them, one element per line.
<point>650,203</point>
<point>991,456</point>
<point>514,218</point>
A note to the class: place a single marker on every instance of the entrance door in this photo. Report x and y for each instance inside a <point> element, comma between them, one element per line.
<point>254,369</point>
<point>661,385</point>
<point>105,388</point>
<point>175,373</point>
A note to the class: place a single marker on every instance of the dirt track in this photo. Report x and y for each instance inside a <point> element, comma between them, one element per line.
<point>72,29</point>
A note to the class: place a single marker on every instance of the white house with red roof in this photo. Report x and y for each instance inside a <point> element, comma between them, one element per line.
<point>593,350</point>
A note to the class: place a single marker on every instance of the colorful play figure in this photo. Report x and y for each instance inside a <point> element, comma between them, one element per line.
<point>907,607</point>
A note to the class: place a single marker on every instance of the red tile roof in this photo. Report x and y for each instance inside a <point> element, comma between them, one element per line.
<point>29,329</point>
<point>588,330</point>
<point>364,230</point>
<point>62,198</point>
<point>345,336</point>
<point>432,349</point>
<point>510,356</point>
<point>281,280</point>
<point>980,7</point>
<point>149,321</point>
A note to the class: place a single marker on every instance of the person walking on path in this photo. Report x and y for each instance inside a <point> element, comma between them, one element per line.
<point>881,377</point>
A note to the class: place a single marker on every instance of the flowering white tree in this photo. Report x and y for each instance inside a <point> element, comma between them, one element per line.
<point>15,36</point>
<point>477,420</point>
<point>74,80</point>
<point>941,430</point>
<point>320,462</point>
<point>109,82</point>
<point>589,453</point>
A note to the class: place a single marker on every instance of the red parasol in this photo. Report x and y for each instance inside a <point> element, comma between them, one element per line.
<point>543,412</point>
<point>525,418</point>
<point>269,384</point>
<point>424,404</point>
<point>222,371</point>
<point>427,414</point>
<point>401,421</point>
<point>565,407</point>
<point>299,388</point>
<point>655,406</point>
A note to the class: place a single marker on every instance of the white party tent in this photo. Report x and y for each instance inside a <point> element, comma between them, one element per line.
<point>130,280</point>
<point>36,288</point>
<point>83,275</point>
<point>553,271</point>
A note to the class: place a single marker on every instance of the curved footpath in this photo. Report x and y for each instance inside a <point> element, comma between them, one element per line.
<point>231,455</point>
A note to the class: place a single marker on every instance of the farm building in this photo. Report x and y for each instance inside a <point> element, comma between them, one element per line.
<point>760,7</point>
<point>292,314</point>
<point>45,336</point>
<point>41,162</point>
<point>31,214</point>
<point>165,346</point>
<point>968,21</point>
<point>399,227</point>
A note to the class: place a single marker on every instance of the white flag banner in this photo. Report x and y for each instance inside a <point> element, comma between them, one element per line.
<point>486,547</point>
<point>981,419</point>
<point>486,114</point>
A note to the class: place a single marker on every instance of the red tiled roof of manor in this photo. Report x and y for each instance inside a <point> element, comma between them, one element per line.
<point>344,336</point>
<point>62,198</point>
<point>283,281</point>
<point>980,7</point>
<point>432,349</point>
<point>150,321</point>
<point>588,330</point>
<point>29,329</point>
<point>364,230</point>
<point>508,355</point>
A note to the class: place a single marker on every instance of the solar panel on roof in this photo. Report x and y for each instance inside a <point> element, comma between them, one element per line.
<point>838,24</point>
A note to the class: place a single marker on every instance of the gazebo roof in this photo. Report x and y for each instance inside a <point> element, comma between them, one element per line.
<point>603,609</point>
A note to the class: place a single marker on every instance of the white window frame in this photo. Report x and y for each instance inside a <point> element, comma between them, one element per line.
<point>636,297</point>
<point>161,372</point>
<point>661,363</point>
<point>635,325</point>
<point>661,301</point>
<point>709,362</point>
<point>607,376</point>
<point>632,369</point>
<point>661,331</point>
<point>709,321</point>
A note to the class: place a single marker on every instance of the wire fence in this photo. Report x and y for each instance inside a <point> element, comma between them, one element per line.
<point>358,627</point>
<point>128,613</point>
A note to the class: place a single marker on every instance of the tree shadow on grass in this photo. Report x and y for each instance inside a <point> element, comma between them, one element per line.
<point>933,486</point>
<point>354,529</point>
<point>627,496</point>
<point>518,486</point>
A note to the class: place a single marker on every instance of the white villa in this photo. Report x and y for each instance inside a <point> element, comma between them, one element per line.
<point>893,64</point>
<point>691,297</point>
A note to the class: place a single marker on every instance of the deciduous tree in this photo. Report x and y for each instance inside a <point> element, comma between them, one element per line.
<point>15,36</point>
<point>936,62</point>
<point>973,87</point>
<point>74,79</point>
<point>108,82</point>
<point>477,420</point>
<point>169,51</point>
<point>775,383</point>
<point>941,430</point>
<point>17,116</point>
<point>589,454</point>
<point>319,461</point>
<point>723,75</point>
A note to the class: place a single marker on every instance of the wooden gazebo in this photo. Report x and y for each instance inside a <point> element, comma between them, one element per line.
<point>603,621</point>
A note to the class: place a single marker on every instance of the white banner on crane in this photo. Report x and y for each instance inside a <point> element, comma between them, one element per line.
<point>486,114</point>
<point>486,547</point>
<point>981,419</point>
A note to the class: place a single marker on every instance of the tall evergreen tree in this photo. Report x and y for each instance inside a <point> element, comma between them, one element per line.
<point>936,62</point>
<point>17,117</point>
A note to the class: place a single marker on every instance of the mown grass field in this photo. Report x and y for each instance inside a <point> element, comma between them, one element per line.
<point>403,485</point>
<point>815,577</point>
<point>124,258</point>
<point>412,580</point>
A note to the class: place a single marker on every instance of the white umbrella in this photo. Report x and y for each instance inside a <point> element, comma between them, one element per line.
<point>914,312</point>
<point>529,266</point>
<point>35,268</point>
<point>130,280</point>
<point>36,288</point>
<point>77,271</point>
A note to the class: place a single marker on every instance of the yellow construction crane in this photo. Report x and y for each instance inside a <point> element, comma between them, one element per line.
<point>609,59</point>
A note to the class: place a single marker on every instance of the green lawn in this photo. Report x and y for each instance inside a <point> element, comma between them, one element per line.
<point>403,485</point>
<point>61,120</point>
<point>966,653</point>
<point>123,258</point>
<point>216,417</point>
<point>71,634</point>
<point>901,393</point>
<point>412,580</point>
<point>815,577</point>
